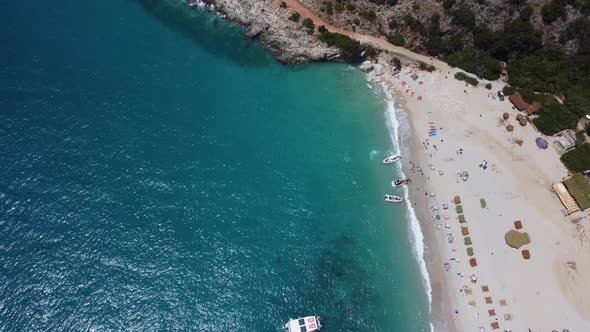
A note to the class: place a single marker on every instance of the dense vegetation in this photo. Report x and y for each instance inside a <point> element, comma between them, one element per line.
<point>537,65</point>
<point>468,79</point>
<point>309,25</point>
<point>577,160</point>
<point>532,66</point>
<point>397,39</point>
<point>295,17</point>
<point>350,49</point>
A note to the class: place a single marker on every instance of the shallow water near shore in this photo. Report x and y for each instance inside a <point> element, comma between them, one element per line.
<point>162,177</point>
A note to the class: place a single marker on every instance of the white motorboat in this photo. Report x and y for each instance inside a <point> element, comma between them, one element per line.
<point>399,182</point>
<point>304,324</point>
<point>393,199</point>
<point>392,159</point>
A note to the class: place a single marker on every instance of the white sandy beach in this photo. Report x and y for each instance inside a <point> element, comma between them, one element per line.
<point>543,293</point>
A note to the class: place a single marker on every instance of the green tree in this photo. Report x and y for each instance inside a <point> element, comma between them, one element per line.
<point>397,39</point>
<point>295,17</point>
<point>526,12</point>
<point>398,64</point>
<point>463,16</point>
<point>368,15</point>
<point>309,25</point>
<point>553,10</point>
<point>577,160</point>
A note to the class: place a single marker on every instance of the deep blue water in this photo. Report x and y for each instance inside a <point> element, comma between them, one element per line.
<point>159,172</point>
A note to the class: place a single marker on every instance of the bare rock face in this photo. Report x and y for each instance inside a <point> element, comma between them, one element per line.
<point>366,66</point>
<point>266,20</point>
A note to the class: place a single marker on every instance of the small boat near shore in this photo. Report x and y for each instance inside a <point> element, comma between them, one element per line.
<point>393,199</point>
<point>400,182</point>
<point>392,159</point>
<point>308,324</point>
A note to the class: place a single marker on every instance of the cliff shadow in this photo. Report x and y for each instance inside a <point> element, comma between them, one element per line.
<point>209,31</point>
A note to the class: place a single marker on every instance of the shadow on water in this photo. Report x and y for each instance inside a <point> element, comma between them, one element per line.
<point>209,31</point>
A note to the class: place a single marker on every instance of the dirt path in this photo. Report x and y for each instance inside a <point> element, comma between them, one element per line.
<point>377,42</point>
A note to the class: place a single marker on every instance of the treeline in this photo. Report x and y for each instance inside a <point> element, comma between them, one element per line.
<point>350,49</point>
<point>547,71</point>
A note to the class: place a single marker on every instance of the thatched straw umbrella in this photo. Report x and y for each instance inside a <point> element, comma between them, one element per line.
<point>516,239</point>
<point>464,231</point>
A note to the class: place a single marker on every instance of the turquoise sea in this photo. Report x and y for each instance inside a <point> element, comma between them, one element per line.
<point>160,172</point>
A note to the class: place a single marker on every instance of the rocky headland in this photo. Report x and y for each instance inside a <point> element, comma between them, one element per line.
<point>267,21</point>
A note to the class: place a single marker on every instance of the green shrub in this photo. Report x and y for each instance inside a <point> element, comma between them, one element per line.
<point>398,64</point>
<point>482,65</point>
<point>577,160</point>
<point>391,23</point>
<point>350,49</point>
<point>330,8</point>
<point>482,203</point>
<point>448,4</point>
<point>350,7</point>
<point>425,66</point>
<point>469,251</point>
<point>322,29</point>
<point>462,218</point>
<point>283,4</point>
<point>580,31</point>
<point>463,16</point>
<point>459,209</point>
<point>488,86</point>
<point>368,15</point>
<point>554,117</point>
<point>356,21</point>
<point>580,137</point>
<point>526,12</point>
<point>553,10</point>
<point>339,7</point>
<point>508,90</point>
<point>415,24</point>
<point>457,200</point>
<point>309,25</point>
<point>295,17</point>
<point>397,39</point>
<point>468,79</point>
<point>467,241</point>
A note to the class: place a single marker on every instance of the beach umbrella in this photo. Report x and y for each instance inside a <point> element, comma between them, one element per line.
<point>541,143</point>
<point>446,217</point>
<point>516,239</point>
<point>437,217</point>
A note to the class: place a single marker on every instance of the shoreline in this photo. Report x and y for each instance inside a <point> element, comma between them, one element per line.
<point>424,250</point>
<point>485,283</point>
<point>394,124</point>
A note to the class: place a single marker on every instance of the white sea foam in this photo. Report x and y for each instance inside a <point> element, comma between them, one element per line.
<point>393,124</point>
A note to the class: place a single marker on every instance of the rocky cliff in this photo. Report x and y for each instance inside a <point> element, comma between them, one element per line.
<point>266,20</point>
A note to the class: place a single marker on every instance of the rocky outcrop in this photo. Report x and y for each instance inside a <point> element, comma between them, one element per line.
<point>266,20</point>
